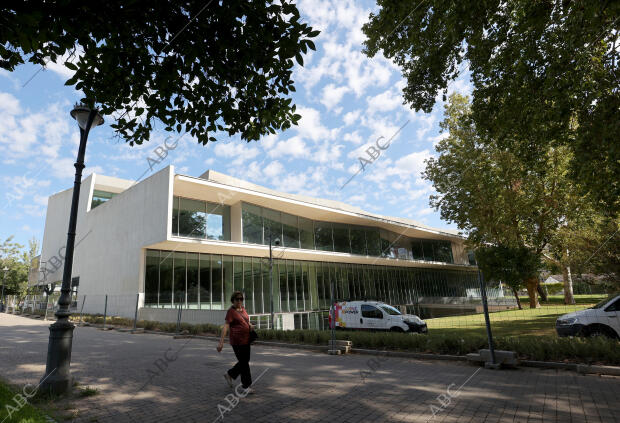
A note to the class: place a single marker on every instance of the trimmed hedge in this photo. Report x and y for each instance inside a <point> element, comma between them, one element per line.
<point>543,348</point>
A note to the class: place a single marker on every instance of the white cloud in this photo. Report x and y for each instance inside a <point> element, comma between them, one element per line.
<point>294,147</point>
<point>411,165</point>
<point>310,126</point>
<point>237,150</point>
<point>353,137</point>
<point>384,102</point>
<point>274,169</point>
<point>351,117</point>
<point>332,95</point>
<point>425,211</point>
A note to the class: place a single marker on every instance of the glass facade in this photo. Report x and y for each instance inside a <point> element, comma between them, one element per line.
<point>206,281</point>
<point>200,219</point>
<point>297,232</point>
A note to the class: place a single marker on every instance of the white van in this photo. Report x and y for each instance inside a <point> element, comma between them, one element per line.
<point>601,320</point>
<point>375,315</point>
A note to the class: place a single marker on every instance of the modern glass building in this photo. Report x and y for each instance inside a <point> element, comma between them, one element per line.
<point>182,241</point>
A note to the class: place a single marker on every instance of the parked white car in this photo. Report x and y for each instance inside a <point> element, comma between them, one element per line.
<point>375,315</point>
<point>601,320</point>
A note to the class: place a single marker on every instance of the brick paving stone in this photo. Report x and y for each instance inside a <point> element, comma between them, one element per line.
<point>298,386</point>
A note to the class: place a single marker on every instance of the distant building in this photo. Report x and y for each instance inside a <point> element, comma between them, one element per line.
<point>173,240</point>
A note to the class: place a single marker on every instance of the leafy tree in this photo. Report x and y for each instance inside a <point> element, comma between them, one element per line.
<point>496,196</point>
<point>18,262</point>
<point>588,246</point>
<point>544,74</point>
<point>511,265</point>
<point>192,65</point>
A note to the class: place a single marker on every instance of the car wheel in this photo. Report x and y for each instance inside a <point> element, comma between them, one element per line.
<point>598,331</point>
<point>396,329</point>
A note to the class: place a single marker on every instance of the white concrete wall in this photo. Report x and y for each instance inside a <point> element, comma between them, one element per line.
<point>110,256</point>
<point>55,235</point>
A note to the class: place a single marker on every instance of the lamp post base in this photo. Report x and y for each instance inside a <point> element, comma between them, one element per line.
<point>58,379</point>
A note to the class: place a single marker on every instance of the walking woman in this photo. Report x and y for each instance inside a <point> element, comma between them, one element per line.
<point>238,323</point>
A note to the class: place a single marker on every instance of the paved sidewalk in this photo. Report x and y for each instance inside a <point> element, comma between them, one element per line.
<point>296,385</point>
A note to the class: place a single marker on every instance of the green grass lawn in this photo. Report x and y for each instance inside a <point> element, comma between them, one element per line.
<point>540,321</point>
<point>25,414</point>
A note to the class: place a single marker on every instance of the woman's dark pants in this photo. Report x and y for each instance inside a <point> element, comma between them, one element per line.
<point>242,352</point>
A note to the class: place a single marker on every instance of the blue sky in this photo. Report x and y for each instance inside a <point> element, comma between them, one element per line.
<point>347,102</point>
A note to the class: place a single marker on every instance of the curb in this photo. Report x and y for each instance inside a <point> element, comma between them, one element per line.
<point>601,370</point>
<point>404,354</point>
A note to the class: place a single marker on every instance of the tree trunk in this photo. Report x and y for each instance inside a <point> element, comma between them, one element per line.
<point>514,291</point>
<point>542,292</point>
<point>532,284</point>
<point>568,285</point>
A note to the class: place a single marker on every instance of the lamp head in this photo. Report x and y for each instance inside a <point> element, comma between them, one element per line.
<point>81,112</point>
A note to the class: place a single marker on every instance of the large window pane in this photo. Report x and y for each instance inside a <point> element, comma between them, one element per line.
<point>283,285</point>
<point>427,247</point>
<point>258,285</point>
<point>272,224</point>
<point>416,249</point>
<point>218,221</point>
<point>342,243</point>
<point>248,284</point>
<point>192,218</point>
<point>290,231</point>
<point>217,284</point>
<point>252,224</point>
<point>227,275</point>
<point>323,236</point>
<point>401,246</point>
<point>266,294</point>
<point>306,233</point>
<point>312,300</point>
<point>299,287</point>
<point>205,281</point>
<point>443,251</point>
<point>165,278</point>
<point>373,242</point>
<point>306,285</point>
<point>358,240</point>
<point>238,273</point>
<point>179,286</point>
<point>151,277</point>
<point>192,279</point>
<point>292,299</point>
<point>175,215</point>
<point>386,244</point>
<point>277,299</point>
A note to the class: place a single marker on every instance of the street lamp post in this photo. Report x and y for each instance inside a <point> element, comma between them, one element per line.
<point>5,270</point>
<point>57,377</point>
<point>277,243</point>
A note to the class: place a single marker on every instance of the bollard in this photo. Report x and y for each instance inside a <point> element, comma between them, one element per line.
<point>81,310</point>
<point>105,311</point>
<point>135,318</point>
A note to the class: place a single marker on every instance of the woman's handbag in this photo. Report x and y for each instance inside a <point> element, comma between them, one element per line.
<point>253,334</point>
